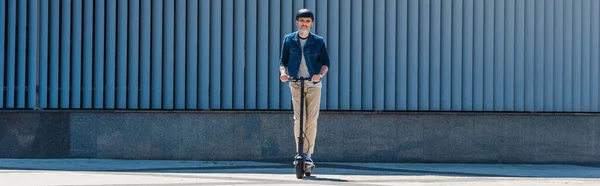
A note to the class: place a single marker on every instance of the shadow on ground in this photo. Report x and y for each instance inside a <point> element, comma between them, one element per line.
<point>325,168</point>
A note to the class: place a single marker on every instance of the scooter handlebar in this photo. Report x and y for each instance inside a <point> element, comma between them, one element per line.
<point>296,79</point>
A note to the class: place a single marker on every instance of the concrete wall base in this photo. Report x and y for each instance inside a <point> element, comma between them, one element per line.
<point>267,136</point>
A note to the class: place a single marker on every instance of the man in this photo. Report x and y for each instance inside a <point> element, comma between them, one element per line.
<point>304,54</point>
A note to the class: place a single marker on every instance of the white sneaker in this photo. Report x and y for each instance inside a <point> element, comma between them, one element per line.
<point>309,160</point>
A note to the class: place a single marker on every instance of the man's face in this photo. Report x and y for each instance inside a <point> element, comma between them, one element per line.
<point>304,24</point>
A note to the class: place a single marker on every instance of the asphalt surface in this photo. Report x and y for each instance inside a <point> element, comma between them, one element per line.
<point>107,172</point>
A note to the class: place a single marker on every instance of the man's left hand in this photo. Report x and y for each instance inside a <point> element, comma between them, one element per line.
<point>316,78</point>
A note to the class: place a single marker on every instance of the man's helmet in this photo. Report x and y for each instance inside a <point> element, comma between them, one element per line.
<point>305,13</point>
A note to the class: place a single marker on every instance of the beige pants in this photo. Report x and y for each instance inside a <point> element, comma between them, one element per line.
<point>312,98</point>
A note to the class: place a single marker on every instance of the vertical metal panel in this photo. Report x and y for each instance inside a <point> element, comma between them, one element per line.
<point>519,56</point>
<point>355,70</point>
<point>54,53</point>
<point>344,56</point>
<point>452,51</point>
<point>435,55</point>
<point>413,54</point>
<point>215,54</point>
<point>585,56</point>
<point>577,71</point>
<point>12,52</point>
<point>32,54</point>
<point>378,68</point>
<point>99,39</point>
<point>266,24</point>
<point>595,57</point>
<point>509,52</point>
<point>251,75</point>
<point>145,54</point>
<point>88,48</point>
<point>529,54</point>
<point>568,56</point>
<point>548,55</point>
<point>168,60</point>
<point>122,53</point>
<point>468,57</point>
<point>111,31</point>
<point>538,80</point>
<point>191,96</point>
<point>43,75</point>
<point>281,99</point>
<point>423,56</point>
<point>367,56</point>
<point>65,54</point>
<point>21,52</point>
<point>478,57</point>
<point>279,25</point>
<point>266,52</point>
<point>227,55</point>
<point>2,51</point>
<point>457,61</point>
<point>446,56</point>
<point>558,55</point>
<point>76,41</point>
<point>390,55</point>
<point>488,44</point>
<point>157,55</point>
<point>499,56</point>
<point>402,49</point>
<point>239,88</point>
<point>133,54</point>
<point>180,43</point>
<point>204,55</point>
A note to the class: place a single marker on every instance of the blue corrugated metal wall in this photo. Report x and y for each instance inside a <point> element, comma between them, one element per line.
<point>460,55</point>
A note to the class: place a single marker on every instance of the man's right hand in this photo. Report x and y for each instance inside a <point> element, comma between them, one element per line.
<point>284,77</point>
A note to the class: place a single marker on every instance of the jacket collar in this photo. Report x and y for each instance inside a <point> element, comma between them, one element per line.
<point>309,40</point>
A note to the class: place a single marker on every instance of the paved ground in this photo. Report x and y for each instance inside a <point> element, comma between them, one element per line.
<point>158,173</point>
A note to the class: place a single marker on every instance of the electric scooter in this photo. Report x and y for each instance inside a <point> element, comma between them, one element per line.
<point>300,159</point>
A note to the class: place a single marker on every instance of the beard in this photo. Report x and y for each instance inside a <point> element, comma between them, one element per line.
<point>303,31</point>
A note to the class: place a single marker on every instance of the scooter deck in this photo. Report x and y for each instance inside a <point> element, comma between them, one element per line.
<point>309,168</point>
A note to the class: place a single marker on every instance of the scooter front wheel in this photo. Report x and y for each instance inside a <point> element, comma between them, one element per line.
<point>300,169</point>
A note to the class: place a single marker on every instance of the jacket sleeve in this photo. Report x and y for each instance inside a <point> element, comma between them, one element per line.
<point>285,54</point>
<point>324,56</point>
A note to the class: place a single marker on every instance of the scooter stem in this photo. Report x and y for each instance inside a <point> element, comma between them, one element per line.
<point>301,136</point>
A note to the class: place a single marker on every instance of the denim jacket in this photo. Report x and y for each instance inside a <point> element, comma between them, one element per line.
<point>315,53</point>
